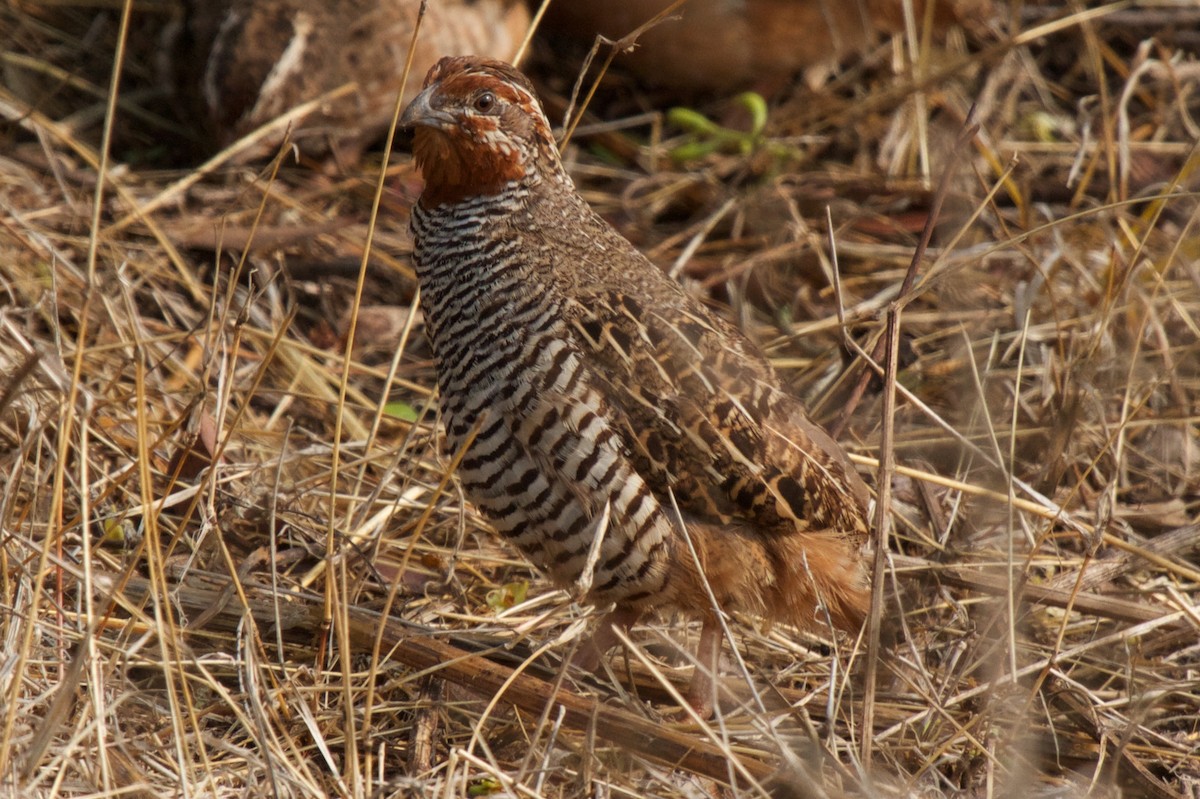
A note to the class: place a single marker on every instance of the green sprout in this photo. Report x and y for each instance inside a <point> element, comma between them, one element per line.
<point>708,137</point>
<point>507,595</point>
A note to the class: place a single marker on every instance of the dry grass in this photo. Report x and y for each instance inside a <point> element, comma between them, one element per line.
<point>176,630</point>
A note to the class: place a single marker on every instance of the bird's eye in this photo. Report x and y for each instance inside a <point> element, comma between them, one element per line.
<point>485,102</point>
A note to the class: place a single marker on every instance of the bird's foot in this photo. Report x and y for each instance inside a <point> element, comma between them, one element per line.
<point>702,691</point>
<point>592,649</point>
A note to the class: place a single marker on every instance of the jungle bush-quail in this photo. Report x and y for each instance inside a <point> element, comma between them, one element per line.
<point>601,396</point>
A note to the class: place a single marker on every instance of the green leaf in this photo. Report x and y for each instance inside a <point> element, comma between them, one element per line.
<point>484,786</point>
<point>756,104</point>
<point>402,411</point>
<point>692,121</point>
<point>695,150</point>
<point>507,595</point>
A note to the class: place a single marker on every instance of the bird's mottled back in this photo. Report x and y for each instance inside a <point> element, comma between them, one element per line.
<point>601,396</point>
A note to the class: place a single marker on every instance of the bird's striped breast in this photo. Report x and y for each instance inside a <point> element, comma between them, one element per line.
<point>546,459</point>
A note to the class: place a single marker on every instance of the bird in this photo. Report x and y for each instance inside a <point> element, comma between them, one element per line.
<point>708,46</point>
<point>241,63</point>
<point>633,444</point>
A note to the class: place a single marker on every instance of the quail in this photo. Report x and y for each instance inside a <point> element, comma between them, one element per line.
<point>711,46</point>
<point>241,63</point>
<point>633,444</point>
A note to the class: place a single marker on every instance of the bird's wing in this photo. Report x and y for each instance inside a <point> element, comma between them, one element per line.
<point>705,419</point>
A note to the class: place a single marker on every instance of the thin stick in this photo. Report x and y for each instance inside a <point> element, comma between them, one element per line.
<point>533,26</point>
<point>334,578</point>
<point>882,525</point>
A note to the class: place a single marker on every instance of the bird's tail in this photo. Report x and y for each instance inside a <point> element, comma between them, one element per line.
<point>819,580</point>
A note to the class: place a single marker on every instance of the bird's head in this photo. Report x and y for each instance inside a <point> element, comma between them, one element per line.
<point>477,125</point>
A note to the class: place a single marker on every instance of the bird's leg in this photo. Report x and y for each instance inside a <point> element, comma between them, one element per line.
<point>701,693</point>
<point>592,649</point>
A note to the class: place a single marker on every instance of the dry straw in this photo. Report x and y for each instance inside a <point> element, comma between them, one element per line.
<point>235,563</point>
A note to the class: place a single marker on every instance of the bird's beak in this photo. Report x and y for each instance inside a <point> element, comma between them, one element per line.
<point>420,113</point>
